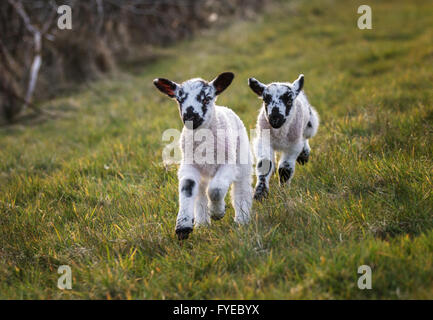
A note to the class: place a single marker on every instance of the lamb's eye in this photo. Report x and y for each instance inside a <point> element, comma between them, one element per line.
<point>181,96</point>
<point>267,99</point>
<point>206,100</point>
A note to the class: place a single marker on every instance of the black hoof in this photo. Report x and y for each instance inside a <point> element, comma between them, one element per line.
<point>303,157</point>
<point>183,233</point>
<point>217,217</point>
<point>261,192</point>
<point>285,174</point>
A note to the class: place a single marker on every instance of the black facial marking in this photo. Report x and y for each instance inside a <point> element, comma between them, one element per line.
<point>267,99</point>
<point>192,116</point>
<point>309,125</point>
<point>182,96</point>
<point>187,187</point>
<point>201,96</point>
<point>287,100</point>
<point>204,100</point>
<point>276,119</point>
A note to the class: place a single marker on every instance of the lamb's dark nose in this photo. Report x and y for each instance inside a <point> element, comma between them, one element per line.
<point>191,116</point>
<point>276,119</point>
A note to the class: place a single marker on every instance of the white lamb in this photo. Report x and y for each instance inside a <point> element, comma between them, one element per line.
<point>203,184</point>
<point>291,121</point>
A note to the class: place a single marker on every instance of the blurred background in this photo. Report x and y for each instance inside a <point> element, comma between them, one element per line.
<point>37,59</point>
<point>82,182</point>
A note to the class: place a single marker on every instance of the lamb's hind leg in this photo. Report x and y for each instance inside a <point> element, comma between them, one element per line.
<point>242,197</point>
<point>304,156</point>
<point>309,132</point>
<point>217,190</point>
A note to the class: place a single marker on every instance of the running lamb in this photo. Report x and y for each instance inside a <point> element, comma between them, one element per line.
<point>285,123</point>
<point>204,181</point>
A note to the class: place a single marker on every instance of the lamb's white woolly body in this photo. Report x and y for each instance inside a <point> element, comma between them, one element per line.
<point>203,185</point>
<point>214,179</point>
<point>229,135</point>
<point>301,122</point>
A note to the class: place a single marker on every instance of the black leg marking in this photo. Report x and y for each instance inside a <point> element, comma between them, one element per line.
<point>183,233</point>
<point>264,167</point>
<point>261,192</point>
<point>187,187</point>
<point>303,157</point>
<point>285,173</point>
<point>215,194</point>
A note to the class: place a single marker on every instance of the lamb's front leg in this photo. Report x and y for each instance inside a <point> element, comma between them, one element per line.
<point>189,179</point>
<point>218,188</point>
<point>264,168</point>
<point>286,167</point>
<point>201,217</point>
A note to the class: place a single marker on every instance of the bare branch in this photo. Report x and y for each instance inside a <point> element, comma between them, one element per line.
<point>37,60</point>
<point>100,8</point>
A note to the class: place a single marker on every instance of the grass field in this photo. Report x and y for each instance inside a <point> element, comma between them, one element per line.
<point>89,190</point>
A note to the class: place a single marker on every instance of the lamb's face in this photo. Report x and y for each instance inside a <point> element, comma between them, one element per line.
<point>196,97</point>
<point>278,99</point>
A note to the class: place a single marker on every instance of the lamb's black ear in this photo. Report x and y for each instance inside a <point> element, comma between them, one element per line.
<point>256,86</point>
<point>298,84</point>
<point>166,86</point>
<point>221,82</point>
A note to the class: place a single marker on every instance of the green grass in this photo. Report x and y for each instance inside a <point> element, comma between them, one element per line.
<point>89,189</point>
